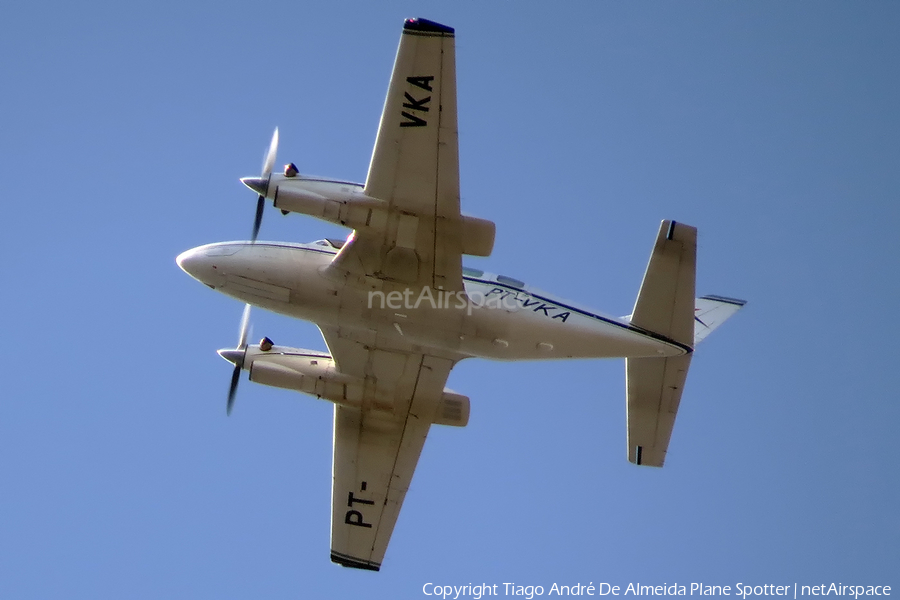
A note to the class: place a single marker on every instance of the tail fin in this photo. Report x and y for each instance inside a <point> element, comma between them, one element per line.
<point>665,305</point>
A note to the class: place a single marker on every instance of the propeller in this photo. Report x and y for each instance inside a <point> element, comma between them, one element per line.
<point>236,356</point>
<point>261,183</point>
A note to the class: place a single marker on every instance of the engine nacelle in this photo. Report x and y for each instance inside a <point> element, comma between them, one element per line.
<point>314,373</point>
<point>337,202</point>
<point>477,236</point>
<point>453,410</point>
<point>344,203</point>
<point>356,213</point>
<point>324,384</point>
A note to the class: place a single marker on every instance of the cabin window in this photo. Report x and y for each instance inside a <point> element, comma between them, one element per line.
<point>336,243</point>
<point>510,281</point>
<point>473,272</point>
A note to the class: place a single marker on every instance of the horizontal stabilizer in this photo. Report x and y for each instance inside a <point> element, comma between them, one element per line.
<point>712,311</point>
<point>654,392</point>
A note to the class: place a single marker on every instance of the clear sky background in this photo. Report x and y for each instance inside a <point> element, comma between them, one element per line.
<point>771,126</point>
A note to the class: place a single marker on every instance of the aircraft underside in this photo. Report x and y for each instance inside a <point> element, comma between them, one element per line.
<point>397,310</point>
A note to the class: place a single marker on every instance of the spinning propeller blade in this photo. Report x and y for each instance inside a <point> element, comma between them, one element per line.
<point>237,357</point>
<point>268,163</point>
<point>257,221</point>
<point>259,185</point>
<point>245,327</point>
<point>235,377</point>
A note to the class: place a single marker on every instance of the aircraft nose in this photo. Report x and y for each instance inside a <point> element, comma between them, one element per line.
<point>200,263</point>
<point>190,261</point>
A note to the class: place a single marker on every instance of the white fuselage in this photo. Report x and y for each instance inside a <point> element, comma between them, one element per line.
<point>494,317</point>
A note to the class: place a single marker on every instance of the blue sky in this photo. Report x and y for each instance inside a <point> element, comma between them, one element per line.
<point>772,127</point>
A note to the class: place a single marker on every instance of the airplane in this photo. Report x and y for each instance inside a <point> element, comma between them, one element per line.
<point>397,309</point>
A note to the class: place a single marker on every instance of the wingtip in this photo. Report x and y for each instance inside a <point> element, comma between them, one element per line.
<point>354,563</point>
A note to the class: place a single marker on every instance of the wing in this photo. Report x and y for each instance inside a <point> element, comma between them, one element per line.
<point>415,170</point>
<point>377,446</point>
<point>415,163</point>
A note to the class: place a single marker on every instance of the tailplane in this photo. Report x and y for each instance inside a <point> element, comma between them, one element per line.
<point>710,312</point>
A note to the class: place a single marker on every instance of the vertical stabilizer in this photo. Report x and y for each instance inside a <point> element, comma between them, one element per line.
<point>665,303</point>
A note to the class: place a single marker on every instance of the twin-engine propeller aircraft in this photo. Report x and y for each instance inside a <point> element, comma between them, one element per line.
<point>398,310</point>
